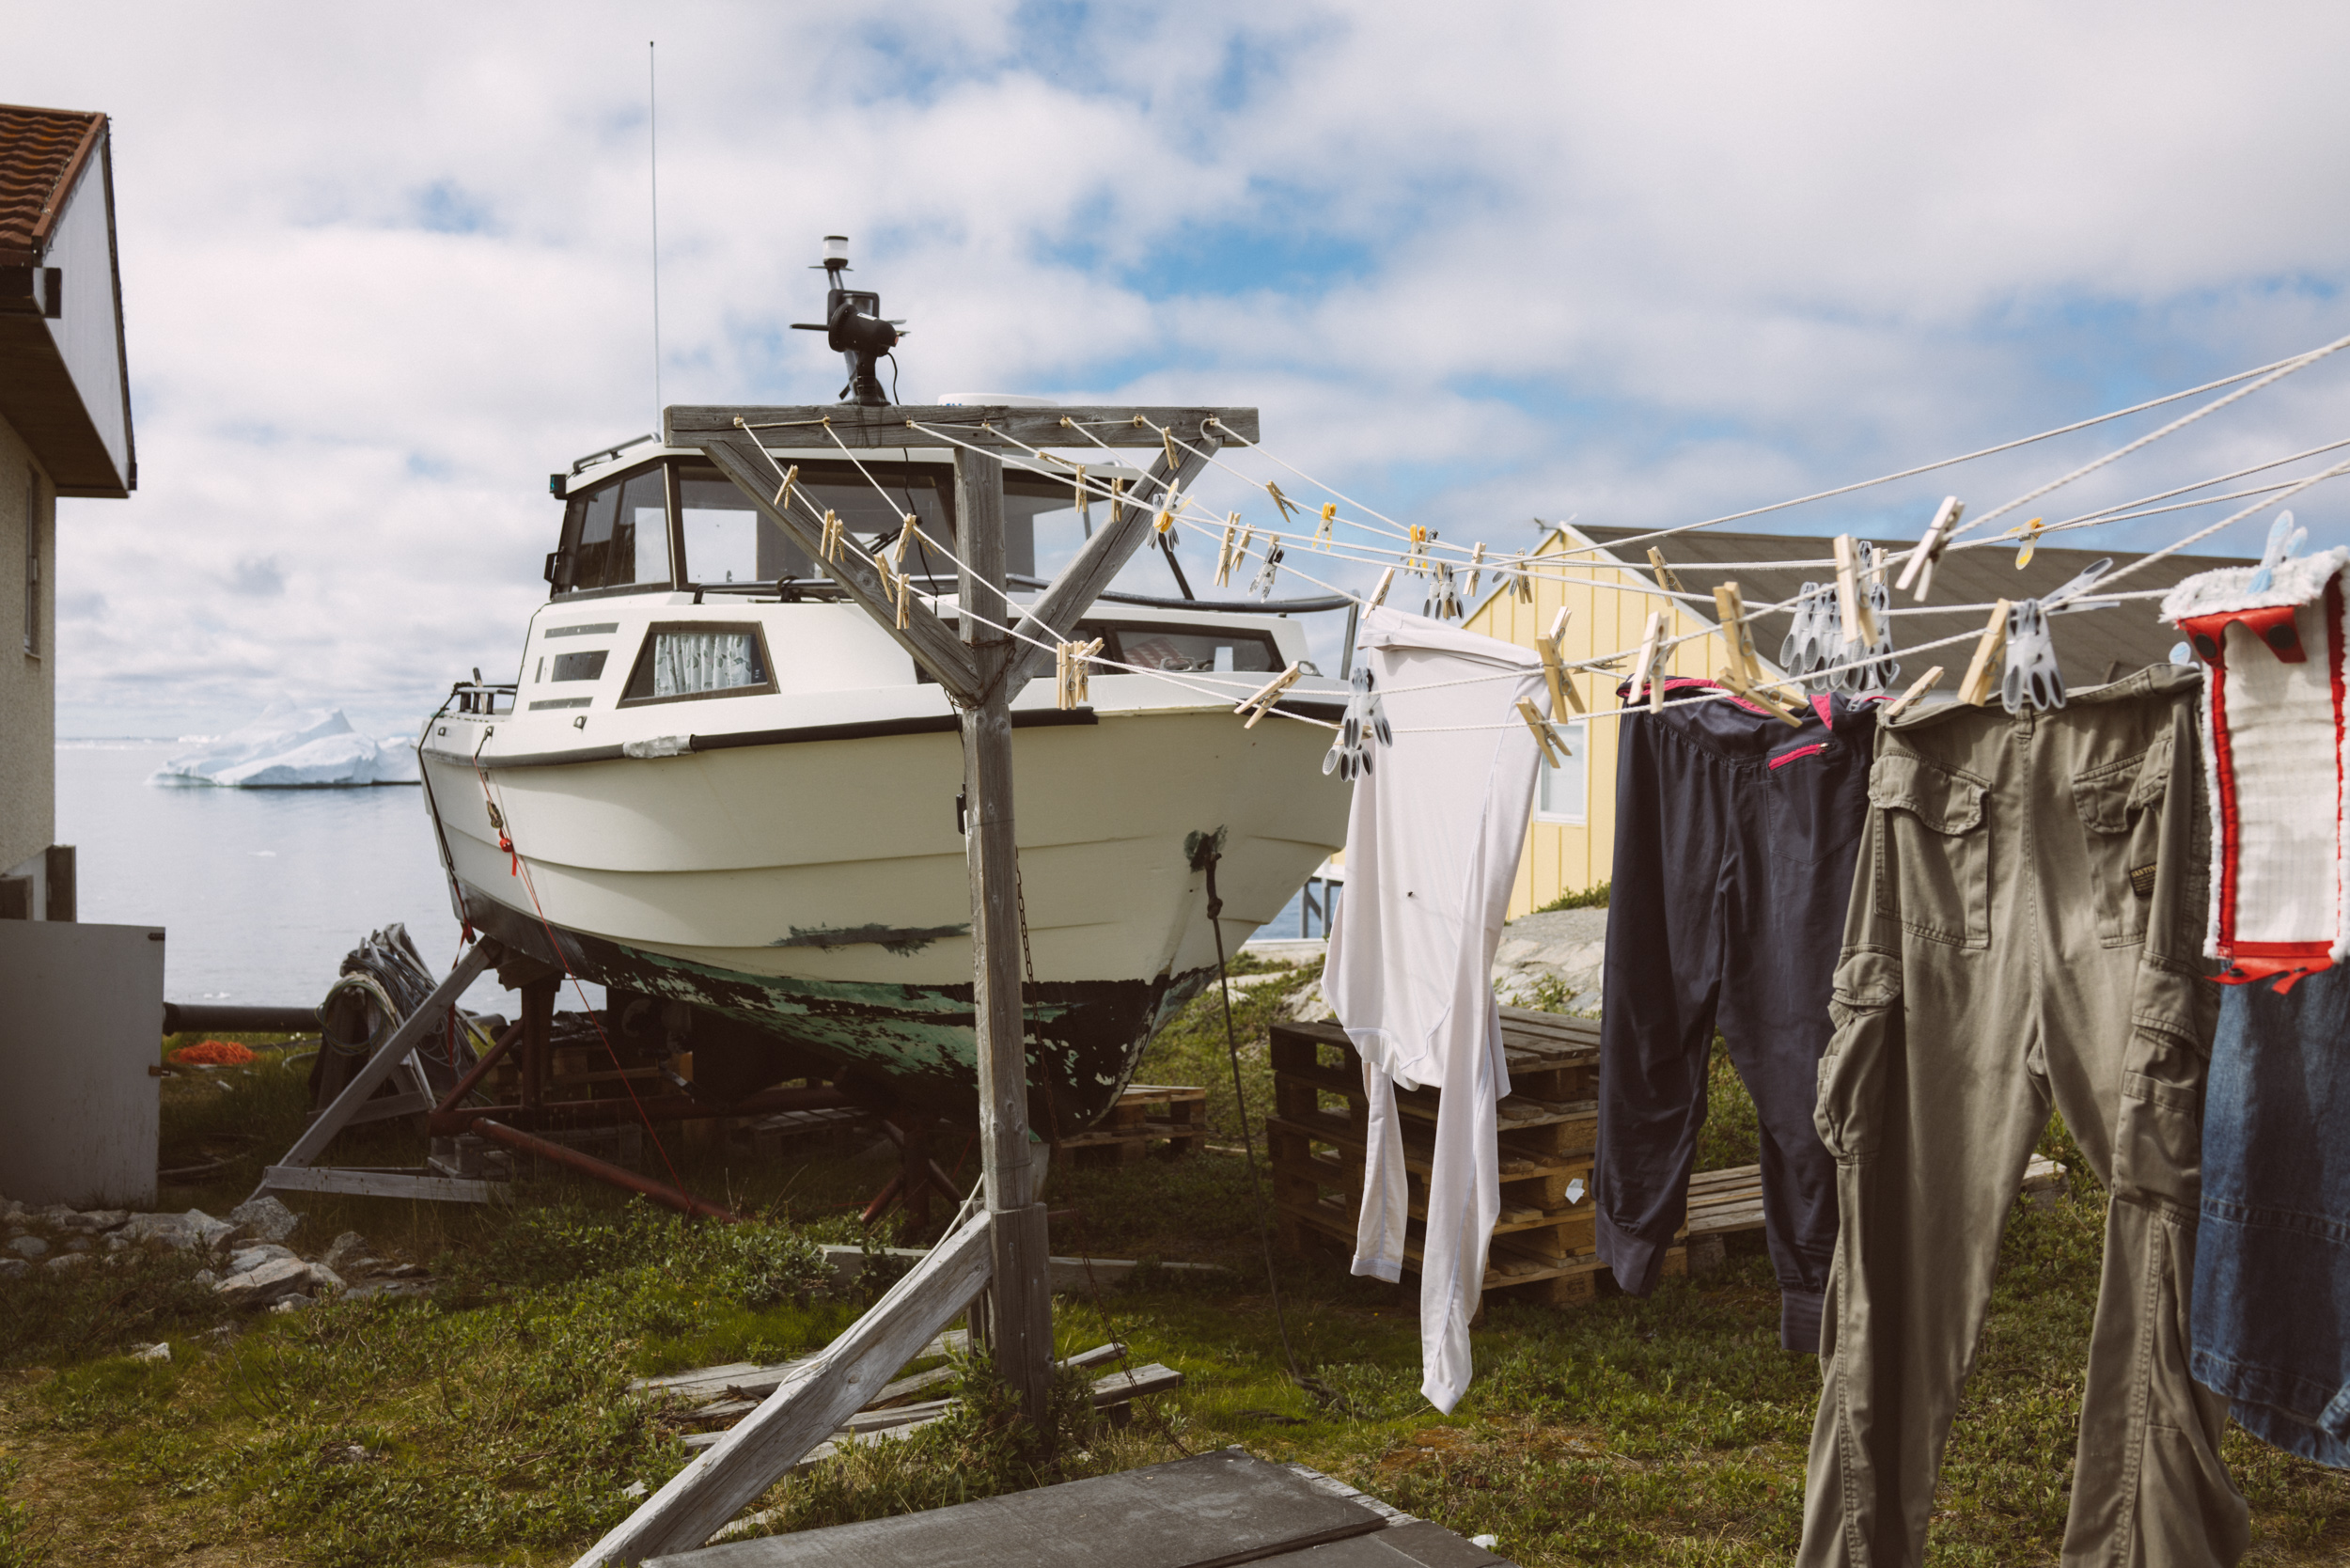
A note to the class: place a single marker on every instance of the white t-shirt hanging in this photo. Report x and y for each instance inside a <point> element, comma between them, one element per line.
<point>1432,850</point>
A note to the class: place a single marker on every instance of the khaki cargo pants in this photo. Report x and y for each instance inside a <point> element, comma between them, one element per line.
<point>2025,919</point>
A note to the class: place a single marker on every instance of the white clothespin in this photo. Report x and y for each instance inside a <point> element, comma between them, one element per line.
<point>1366,721</point>
<point>1984,668</point>
<point>1444,601</point>
<point>1261,700</point>
<point>783,496</point>
<point>1808,641</point>
<point>1379,594</point>
<point>1858,625</point>
<point>1562,693</point>
<point>1920,567</point>
<point>1644,669</point>
<point>1263,586</point>
<point>1224,551</point>
<point>1476,567</point>
<point>2074,595</point>
<point>1908,700</point>
<point>1545,740</point>
<point>2031,674</point>
<point>2285,542</point>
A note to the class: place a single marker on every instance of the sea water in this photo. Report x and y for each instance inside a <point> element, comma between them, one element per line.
<point>259,892</point>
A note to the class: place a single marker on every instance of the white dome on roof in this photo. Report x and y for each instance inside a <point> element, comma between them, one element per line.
<point>993,399</point>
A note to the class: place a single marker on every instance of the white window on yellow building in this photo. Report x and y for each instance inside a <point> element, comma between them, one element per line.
<point>1562,795</point>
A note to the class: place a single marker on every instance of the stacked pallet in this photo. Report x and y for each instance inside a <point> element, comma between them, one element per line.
<point>1145,1114</point>
<point>1544,1246</point>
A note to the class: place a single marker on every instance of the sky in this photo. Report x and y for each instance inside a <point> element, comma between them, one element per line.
<point>385,269</point>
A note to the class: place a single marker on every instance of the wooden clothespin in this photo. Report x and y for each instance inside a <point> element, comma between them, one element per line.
<point>1562,693</point>
<point>1380,593</point>
<point>1118,502</point>
<point>1523,579</point>
<point>1546,742</point>
<point>1666,577</point>
<point>2031,535</point>
<point>1908,700</point>
<point>783,496</point>
<point>1173,467</point>
<point>1289,507</point>
<point>1851,603</point>
<point>1476,567</point>
<point>1754,691</point>
<point>1730,608</point>
<point>1918,568</point>
<point>1644,667</point>
<point>1261,700</point>
<point>1983,670</point>
<point>1085,500</point>
<point>1071,667</point>
<point>1224,551</point>
<point>831,542</point>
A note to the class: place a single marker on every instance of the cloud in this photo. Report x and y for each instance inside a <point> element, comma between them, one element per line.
<point>385,273</point>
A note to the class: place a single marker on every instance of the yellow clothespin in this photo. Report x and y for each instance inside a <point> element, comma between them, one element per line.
<point>1666,577</point>
<point>831,542</point>
<point>1643,669</point>
<point>1547,743</point>
<point>1476,567</point>
<point>1322,531</point>
<point>2030,533</point>
<point>1261,700</point>
<point>1289,507</point>
<point>1920,567</point>
<point>1562,693</point>
<point>1224,551</point>
<point>1903,703</point>
<point>1166,510</point>
<point>1859,626</point>
<point>1415,548</point>
<point>1982,671</point>
<point>1730,608</point>
<point>783,496</point>
<point>1380,592</point>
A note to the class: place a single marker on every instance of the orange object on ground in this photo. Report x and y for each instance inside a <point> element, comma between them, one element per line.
<point>212,1052</point>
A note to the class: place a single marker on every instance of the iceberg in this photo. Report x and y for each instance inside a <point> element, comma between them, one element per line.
<point>290,748</point>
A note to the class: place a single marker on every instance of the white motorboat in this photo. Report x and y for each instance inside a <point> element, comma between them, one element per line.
<point>716,782</point>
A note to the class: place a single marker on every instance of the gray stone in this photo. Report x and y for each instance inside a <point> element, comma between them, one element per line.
<point>204,1277</point>
<point>341,1253</point>
<point>106,1219</point>
<point>29,1247</point>
<point>1565,946</point>
<point>273,1280</point>
<point>323,1279</point>
<point>293,1303</point>
<point>80,1244</point>
<point>188,1233</point>
<point>158,1351</point>
<point>66,1263</point>
<point>244,1260</point>
<point>391,1290</point>
<point>266,1218</point>
<point>14,1268</point>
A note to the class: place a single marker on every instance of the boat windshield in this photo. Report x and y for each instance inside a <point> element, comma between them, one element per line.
<point>615,535</point>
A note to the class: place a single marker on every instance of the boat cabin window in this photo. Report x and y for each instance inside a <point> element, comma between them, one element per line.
<point>1241,649</point>
<point>615,535</point>
<point>727,540</point>
<point>689,659</point>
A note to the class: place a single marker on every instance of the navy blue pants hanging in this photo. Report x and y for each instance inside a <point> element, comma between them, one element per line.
<point>1735,838</point>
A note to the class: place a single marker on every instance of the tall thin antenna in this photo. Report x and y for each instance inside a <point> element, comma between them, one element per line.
<point>652,134</point>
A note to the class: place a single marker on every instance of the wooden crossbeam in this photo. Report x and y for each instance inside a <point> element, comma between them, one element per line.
<point>737,456</point>
<point>815,425</point>
<point>761,1447</point>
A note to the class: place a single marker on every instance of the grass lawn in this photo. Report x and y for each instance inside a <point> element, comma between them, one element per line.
<point>492,1425</point>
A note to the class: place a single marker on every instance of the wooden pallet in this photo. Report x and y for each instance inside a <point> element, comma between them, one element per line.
<point>1145,1114</point>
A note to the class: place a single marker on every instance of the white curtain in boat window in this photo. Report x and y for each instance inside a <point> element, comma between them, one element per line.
<point>685,663</point>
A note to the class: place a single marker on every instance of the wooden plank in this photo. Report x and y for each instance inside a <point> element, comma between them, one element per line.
<point>924,635</point>
<point>1054,616</point>
<point>387,1058</point>
<point>1206,1511</point>
<point>752,1455</point>
<point>419,1182</point>
<point>816,425</point>
<point>1119,1386</point>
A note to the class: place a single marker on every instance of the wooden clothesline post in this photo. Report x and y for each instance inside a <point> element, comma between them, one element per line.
<point>982,671</point>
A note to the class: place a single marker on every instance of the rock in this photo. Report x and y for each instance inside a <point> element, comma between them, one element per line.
<point>390,1290</point>
<point>159,1351</point>
<point>187,1232</point>
<point>80,1244</point>
<point>293,1303</point>
<point>1565,946</point>
<point>266,1218</point>
<point>1309,1006</point>
<point>341,1253</point>
<point>206,1278</point>
<point>29,1247</point>
<point>103,1219</point>
<point>259,1287</point>
<point>66,1263</point>
<point>14,1268</point>
<point>244,1260</point>
<point>323,1279</point>
<point>634,1489</point>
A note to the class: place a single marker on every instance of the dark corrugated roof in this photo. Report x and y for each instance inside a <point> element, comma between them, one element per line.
<point>2094,647</point>
<point>41,150</point>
